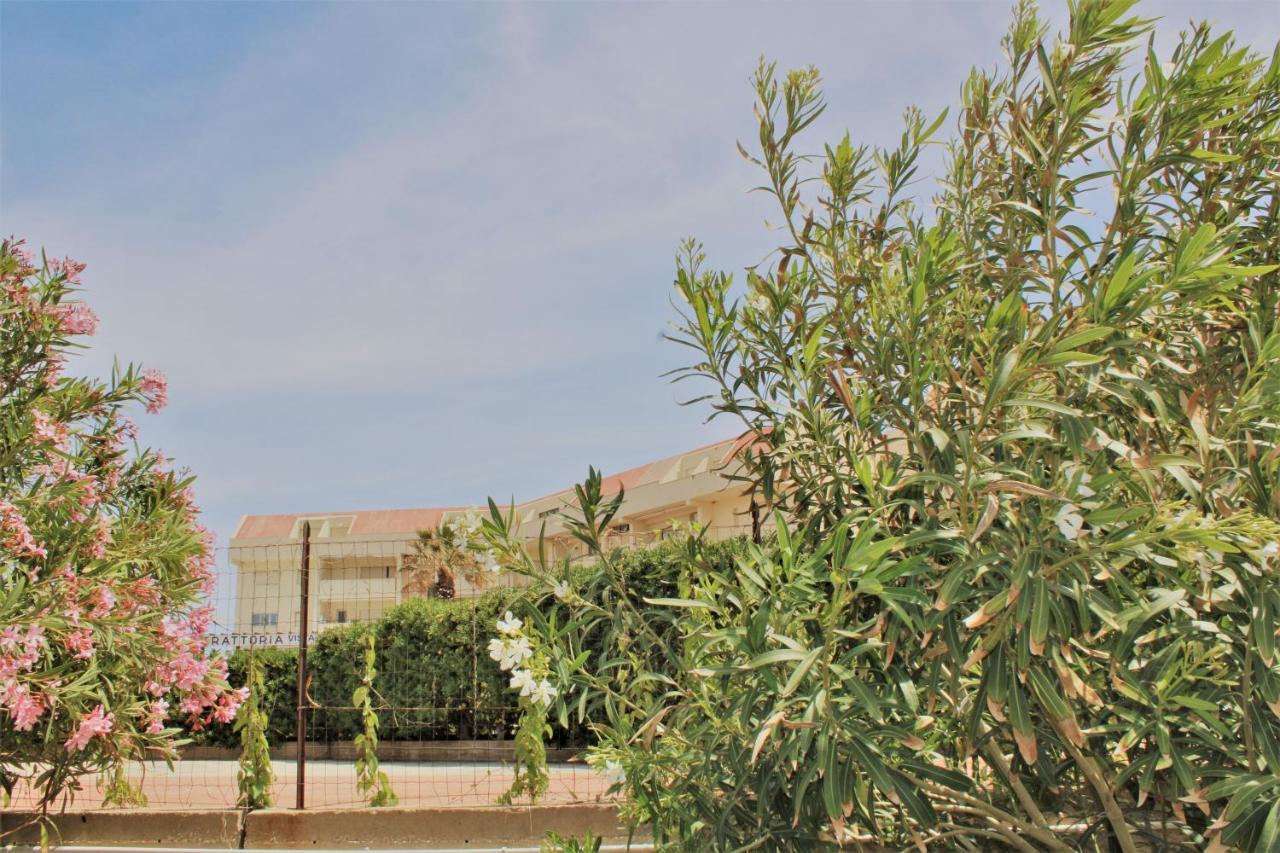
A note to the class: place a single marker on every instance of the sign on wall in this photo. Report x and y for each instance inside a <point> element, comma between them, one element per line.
<point>256,639</point>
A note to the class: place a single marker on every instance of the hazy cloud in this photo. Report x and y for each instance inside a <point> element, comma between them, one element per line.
<point>410,254</point>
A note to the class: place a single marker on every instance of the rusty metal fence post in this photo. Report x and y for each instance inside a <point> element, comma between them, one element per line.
<point>305,605</point>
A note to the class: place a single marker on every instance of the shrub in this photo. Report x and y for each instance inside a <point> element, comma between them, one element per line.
<point>104,564</point>
<point>253,780</point>
<point>1025,468</point>
<point>372,782</point>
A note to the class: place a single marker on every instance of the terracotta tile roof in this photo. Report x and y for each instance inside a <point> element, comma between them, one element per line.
<point>655,472</point>
<point>366,523</point>
<point>409,521</point>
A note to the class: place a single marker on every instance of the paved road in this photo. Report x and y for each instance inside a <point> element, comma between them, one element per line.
<point>211,784</point>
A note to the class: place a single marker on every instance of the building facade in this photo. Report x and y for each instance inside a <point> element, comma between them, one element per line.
<point>363,561</point>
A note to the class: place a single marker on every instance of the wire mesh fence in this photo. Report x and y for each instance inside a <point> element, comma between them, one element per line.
<point>300,613</point>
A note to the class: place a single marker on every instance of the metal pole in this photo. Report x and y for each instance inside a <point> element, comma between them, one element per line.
<point>475,672</point>
<point>301,801</point>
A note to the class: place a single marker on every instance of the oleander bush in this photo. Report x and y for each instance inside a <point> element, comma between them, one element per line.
<point>1020,440</point>
<point>104,568</point>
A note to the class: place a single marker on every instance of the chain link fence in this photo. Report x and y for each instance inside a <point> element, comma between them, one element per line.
<point>301,612</point>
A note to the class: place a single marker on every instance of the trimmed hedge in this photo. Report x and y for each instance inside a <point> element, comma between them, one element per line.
<point>434,673</point>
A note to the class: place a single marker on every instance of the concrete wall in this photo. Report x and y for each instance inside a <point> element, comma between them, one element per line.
<point>446,827</point>
<point>351,829</point>
<point>210,830</point>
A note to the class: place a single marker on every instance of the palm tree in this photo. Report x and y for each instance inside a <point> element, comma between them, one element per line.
<point>437,557</point>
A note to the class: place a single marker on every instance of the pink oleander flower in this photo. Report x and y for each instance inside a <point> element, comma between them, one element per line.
<point>155,387</point>
<point>53,368</point>
<point>76,318</point>
<point>45,430</point>
<point>103,600</point>
<point>22,651</point>
<point>16,535</point>
<point>25,257</point>
<point>67,266</point>
<point>101,538</point>
<point>188,671</point>
<point>23,706</point>
<point>186,498</point>
<point>97,722</point>
<point>80,642</point>
<point>156,715</point>
<point>228,704</point>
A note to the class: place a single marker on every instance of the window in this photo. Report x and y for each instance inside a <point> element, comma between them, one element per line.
<point>264,620</point>
<point>342,617</point>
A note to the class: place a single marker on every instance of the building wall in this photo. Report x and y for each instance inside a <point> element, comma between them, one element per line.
<point>356,575</point>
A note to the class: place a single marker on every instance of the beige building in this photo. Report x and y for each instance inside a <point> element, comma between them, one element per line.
<point>362,559</point>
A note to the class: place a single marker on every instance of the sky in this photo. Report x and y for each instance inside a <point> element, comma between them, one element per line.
<point>418,254</point>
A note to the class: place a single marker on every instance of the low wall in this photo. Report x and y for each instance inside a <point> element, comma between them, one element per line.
<point>450,751</point>
<point>418,828</point>
<point>352,829</point>
<point>212,829</point>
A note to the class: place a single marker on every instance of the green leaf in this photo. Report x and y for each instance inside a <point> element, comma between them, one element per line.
<point>1071,358</point>
<point>1079,339</point>
<point>776,656</point>
<point>1047,405</point>
<point>680,602</point>
<point>798,674</point>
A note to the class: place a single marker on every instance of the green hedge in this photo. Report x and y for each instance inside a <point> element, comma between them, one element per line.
<point>434,673</point>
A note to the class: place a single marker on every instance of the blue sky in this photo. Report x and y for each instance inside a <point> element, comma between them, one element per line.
<point>412,254</point>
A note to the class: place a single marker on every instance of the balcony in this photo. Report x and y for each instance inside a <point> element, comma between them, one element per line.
<point>356,589</point>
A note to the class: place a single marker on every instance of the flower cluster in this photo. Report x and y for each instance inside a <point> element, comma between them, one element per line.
<point>15,534</point>
<point>466,530</point>
<point>76,318</point>
<point>97,722</point>
<point>514,652</point>
<point>155,387</point>
<point>20,650</point>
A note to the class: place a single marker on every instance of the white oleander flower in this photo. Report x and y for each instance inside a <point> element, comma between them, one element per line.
<point>759,302</point>
<point>522,680</point>
<point>1070,522</point>
<point>614,774</point>
<point>509,624</point>
<point>561,589</point>
<point>543,692</point>
<point>512,652</point>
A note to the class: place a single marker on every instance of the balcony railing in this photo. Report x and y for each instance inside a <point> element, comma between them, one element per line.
<point>338,589</point>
